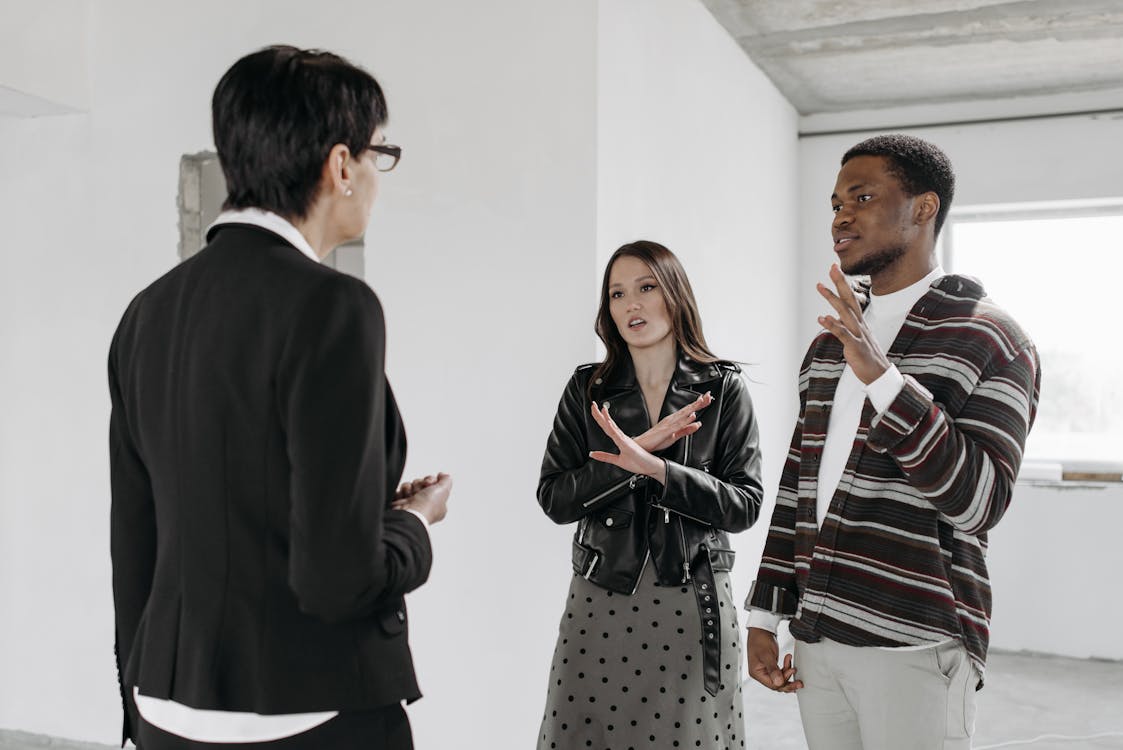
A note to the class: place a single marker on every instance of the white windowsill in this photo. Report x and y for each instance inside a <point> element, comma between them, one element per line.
<point>1071,473</point>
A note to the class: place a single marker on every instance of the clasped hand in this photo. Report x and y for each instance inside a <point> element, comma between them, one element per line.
<point>426,495</point>
<point>636,454</point>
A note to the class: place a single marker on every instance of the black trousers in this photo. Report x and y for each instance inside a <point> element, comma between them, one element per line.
<point>381,729</point>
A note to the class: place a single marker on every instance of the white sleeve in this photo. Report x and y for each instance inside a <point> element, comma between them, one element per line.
<point>884,390</point>
<point>763,619</point>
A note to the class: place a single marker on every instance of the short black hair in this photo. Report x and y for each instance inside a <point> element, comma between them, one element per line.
<point>920,167</point>
<point>278,112</point>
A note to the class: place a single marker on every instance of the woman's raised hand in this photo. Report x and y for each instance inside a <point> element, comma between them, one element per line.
<point>632,457</point>
<point>674,426</point>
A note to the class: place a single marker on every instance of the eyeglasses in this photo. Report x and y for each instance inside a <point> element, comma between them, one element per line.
<point>386,157</point>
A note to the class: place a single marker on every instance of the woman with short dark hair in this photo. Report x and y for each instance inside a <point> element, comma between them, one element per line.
<point>260,550</point>
<point>654,454</point>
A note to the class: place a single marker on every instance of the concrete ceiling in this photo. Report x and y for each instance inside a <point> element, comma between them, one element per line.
<point>831,57</point>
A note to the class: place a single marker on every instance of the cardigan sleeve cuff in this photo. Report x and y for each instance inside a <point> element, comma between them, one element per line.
<point>770,598</point>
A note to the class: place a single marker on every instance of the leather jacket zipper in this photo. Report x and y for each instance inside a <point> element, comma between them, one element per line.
<point>592,565</point>
<point>681,538</point>
<point>630,481</point>
<point>646,556</point>
<point>681,530</point>
<point>667,516</point>
<point>685,557</point>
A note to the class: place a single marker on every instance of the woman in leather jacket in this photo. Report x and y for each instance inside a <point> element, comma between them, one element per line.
<point>648,649</point>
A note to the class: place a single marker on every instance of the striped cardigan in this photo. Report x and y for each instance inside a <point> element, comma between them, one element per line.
<point>900,559</point>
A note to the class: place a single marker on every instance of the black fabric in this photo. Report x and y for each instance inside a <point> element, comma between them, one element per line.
<point>255,446</point>
<point>382,729</point>
<point>713,476</point>
<point>705,593</point>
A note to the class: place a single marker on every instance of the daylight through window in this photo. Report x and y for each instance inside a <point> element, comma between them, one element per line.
<point>1059,271</point>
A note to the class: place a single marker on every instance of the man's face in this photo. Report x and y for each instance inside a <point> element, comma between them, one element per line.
<point>874,219</point>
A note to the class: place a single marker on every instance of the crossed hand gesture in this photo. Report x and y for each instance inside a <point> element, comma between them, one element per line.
<point>635,454</point>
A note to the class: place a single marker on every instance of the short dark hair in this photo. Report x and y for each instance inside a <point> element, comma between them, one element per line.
<point>278,112</point>
<point>920,167</point>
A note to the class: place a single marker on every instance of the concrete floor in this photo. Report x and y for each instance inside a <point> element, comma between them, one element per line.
<point>1030,701</point>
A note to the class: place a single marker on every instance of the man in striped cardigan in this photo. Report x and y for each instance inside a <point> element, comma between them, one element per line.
<point>915,403</point>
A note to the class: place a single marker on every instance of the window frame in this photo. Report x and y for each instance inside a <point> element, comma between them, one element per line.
<point>1066,469</point>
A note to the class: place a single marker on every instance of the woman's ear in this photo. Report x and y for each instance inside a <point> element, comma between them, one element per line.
<point>337,170</point>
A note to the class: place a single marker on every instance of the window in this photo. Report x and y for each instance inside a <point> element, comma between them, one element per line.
<point>1058,269</point>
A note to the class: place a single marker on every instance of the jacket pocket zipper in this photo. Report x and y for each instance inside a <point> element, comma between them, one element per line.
<point>592,565</point>
<point>667,516</point>
<point>685,557</point>
<point>630,481</point>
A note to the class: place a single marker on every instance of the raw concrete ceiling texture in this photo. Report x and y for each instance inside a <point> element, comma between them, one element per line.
<point>829,57</point>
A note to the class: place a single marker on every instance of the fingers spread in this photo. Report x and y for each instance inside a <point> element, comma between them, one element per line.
<point>845,292</point>
<point>689,429</point>
<point>841,332</point>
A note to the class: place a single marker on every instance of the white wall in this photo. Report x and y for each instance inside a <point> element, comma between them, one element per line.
<point>483,247</point>
<point>44,45</point>
<point>1053,558</point>
<point>697,150</point>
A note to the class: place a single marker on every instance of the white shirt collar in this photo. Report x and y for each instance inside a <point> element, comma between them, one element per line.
<point>902,300</point>
<point>267,220</point>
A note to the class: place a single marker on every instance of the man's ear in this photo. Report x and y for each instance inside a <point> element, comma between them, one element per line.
<point>337,171</point>
<point>926,207</point>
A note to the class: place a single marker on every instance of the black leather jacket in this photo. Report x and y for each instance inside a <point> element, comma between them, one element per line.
<point>713,478</point>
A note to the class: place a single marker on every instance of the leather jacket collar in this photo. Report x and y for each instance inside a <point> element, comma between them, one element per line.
<point>687,373</point>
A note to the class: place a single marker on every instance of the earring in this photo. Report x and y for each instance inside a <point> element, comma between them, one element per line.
<point>347,192</point>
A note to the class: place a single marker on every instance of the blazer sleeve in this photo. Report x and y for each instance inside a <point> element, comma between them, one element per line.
<point>132,533</point>
<point>729,494</point>
<point>350,555</point>
<point>572,485</point>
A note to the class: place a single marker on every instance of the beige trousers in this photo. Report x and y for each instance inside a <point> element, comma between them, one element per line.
<point>878,699</point>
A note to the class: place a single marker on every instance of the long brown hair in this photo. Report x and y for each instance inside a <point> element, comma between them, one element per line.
<point>686,325</point>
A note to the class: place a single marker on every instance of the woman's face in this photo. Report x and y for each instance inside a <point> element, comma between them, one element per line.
<point>636,303</point>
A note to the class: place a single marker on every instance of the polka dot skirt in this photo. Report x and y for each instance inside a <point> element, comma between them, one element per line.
<point>627,672</point>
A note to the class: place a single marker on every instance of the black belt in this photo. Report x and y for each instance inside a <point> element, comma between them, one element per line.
<point>705,591</point>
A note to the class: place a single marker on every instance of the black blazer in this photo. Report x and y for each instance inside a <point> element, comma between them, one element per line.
<point>255,446</point>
